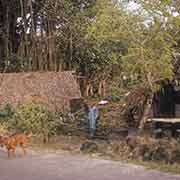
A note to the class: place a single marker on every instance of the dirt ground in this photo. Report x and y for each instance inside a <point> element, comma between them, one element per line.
<point>60,165</point>
<point>113,149</point>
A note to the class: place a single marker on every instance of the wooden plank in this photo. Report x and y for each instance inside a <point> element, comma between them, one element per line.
<point>165,120</point>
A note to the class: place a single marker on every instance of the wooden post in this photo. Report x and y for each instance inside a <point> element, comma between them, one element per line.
<point>147,108</point>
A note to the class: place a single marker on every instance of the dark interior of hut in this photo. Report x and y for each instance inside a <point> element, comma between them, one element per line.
<point>166,104</point>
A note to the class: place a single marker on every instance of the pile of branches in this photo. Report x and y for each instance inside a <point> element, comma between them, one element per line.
<point>134,104</point>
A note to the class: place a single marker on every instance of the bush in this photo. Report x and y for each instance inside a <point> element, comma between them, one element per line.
<point>5,113</point>
<point>36,119</point>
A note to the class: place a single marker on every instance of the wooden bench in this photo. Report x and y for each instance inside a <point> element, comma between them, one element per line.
<point>167,123</point>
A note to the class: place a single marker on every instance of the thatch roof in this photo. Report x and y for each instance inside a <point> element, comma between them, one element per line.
<point>53,89</point>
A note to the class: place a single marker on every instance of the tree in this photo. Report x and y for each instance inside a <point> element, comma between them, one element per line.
<point>150,57</point>
<point>90,37</point>
<point>151,54</point>
<point>106,42</point>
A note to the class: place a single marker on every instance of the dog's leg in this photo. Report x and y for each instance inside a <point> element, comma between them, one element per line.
<point>24,149</point>
<point>13,151</point>
<point>9,154</point>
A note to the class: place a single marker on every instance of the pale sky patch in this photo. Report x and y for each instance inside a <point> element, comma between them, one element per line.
<point>132,6</point>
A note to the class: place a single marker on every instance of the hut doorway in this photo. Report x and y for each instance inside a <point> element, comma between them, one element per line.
<point>164,102</point>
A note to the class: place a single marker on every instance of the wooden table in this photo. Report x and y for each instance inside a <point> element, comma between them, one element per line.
<point>165,120</point>
<point>172,121</point>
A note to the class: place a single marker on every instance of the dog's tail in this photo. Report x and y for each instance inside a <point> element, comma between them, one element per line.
<point>29,135</point>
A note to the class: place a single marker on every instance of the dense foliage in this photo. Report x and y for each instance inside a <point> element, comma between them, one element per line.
<point>38,120</point>
<point>98,39</point>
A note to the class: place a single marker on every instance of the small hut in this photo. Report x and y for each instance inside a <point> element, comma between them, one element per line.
<point>163,110</point>
<point>162,107</point>
<point>55,90</point>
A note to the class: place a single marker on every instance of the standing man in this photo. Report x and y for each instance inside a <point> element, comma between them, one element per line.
<point>93,115</point>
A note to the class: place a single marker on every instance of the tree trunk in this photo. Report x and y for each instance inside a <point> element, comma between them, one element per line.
<point>70,51</point>
<point>7,35</point>
<point>102,88</point>
<point>147,108</point>
<point>89,90</point>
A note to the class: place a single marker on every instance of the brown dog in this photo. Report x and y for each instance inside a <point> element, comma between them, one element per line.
<point>11,142</point>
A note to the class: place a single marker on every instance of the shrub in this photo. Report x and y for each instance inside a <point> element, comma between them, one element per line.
<point>36,119</point>
<point>40,121</point>
<point>5,113</point>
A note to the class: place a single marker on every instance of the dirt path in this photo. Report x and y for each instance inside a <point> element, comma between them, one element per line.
<point>63,166</point>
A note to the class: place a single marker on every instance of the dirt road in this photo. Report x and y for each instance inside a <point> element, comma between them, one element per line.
<point>62,166</point>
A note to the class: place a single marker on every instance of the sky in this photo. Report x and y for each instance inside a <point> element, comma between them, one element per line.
<point>133,6</point>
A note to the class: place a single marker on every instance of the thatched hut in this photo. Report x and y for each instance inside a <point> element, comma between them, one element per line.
<point>55,90</point>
